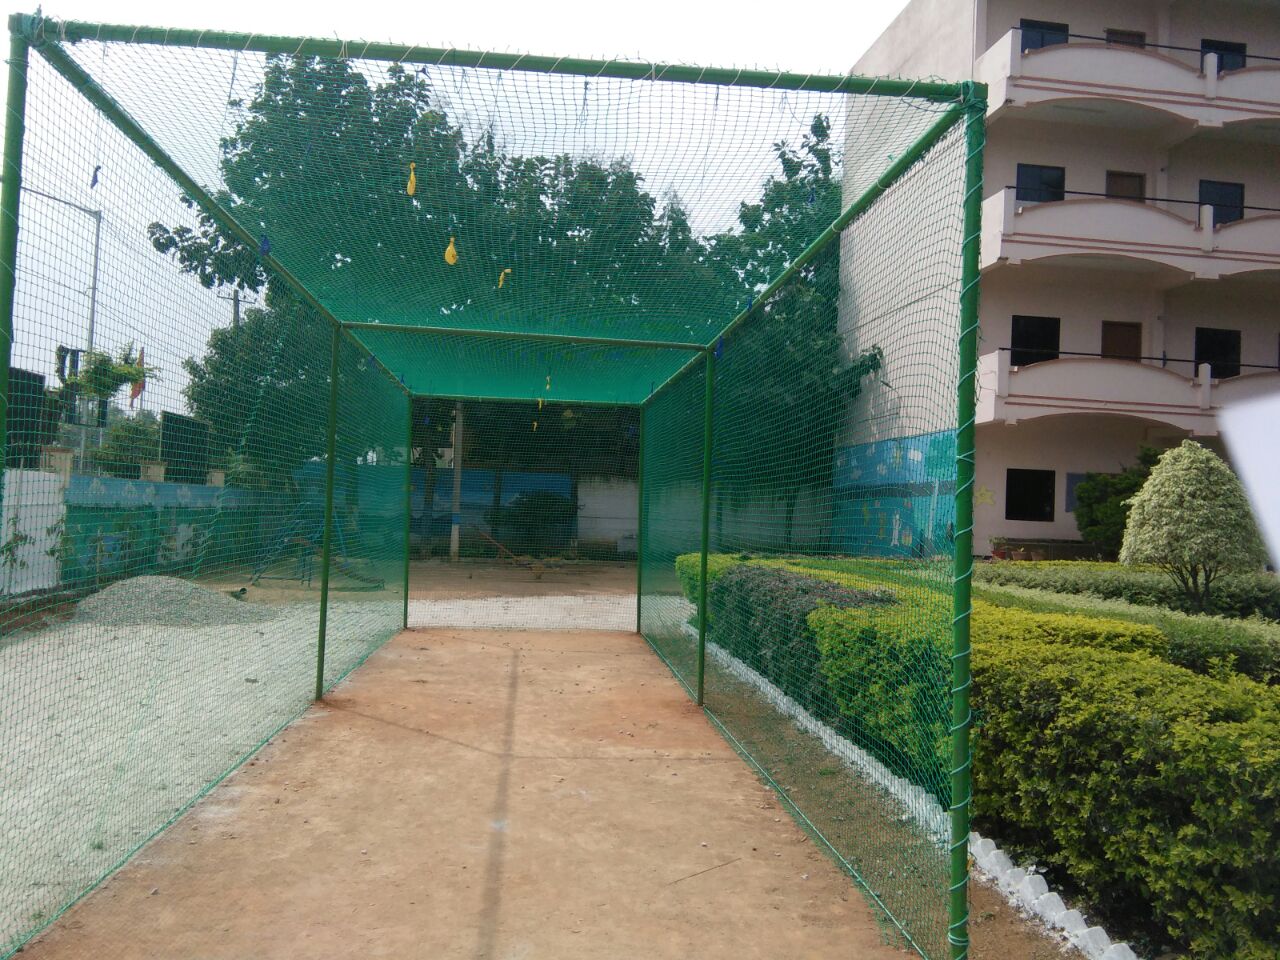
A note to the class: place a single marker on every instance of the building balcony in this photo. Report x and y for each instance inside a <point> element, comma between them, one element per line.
<point>1095,228</point>
<point>1093,384</point>
<point>1125,80</point>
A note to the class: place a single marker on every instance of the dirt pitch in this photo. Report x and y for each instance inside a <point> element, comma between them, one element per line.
<point>495,794</point>
<point>484,795</point>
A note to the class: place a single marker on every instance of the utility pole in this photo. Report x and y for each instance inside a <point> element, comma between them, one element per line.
<point>235,306</point>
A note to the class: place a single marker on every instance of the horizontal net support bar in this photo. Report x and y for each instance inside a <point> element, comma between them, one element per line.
<point>566,338</point>
<point>39,29</point>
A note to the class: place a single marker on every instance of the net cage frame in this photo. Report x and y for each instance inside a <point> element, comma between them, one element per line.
<point>965,104</point>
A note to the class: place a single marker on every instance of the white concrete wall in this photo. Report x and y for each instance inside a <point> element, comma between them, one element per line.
<point>34,508</point>
<point>930,38</point>
<point>607,513</point>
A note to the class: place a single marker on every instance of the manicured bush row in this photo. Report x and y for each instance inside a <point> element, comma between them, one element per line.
<point>1148,784</point>
<point>758,613</point>
<point>1205,644</point>
<point>1145,783</point>
<point>1234,595</point>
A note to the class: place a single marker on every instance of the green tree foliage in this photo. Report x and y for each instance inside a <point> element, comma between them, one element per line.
<point>1191,518</point>
<point>1102,502</point>
<point>321,142</point>
<point>128,442</point>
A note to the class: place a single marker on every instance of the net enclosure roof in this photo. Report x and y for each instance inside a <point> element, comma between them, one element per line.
<point>500,226</point>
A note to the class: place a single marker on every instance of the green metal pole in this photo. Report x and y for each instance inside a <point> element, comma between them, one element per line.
<point>961,680</point>
<point>639,520</point>
<point>408,503</point>
<point>708,404</point>
<point>40,29</point>
<point>326,550</point>
<point>15,128</point>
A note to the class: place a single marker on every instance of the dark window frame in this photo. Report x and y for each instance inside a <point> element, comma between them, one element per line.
<point>1141,178</point>
<point>1223,357</point>
<point>1126,38</point>
<point>1228,212</point>
<point>1033,349</point>
<point>1030,185</point>
<point>1038,34</point>
<point>1232,54</point>
<point>1027,503</point>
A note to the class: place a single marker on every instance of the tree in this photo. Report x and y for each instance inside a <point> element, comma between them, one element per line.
<point>128,442</point>
<point>1191,519</point>
<point>1102,501</point>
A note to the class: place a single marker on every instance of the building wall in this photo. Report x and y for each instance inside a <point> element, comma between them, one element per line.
<point>1071,444</point>
<point>930,38</point>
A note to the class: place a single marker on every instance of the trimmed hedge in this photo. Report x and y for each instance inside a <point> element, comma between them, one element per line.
<point>689,570</point>
<point>1147,783</point>
<point>759,614</point>
<point>1002,624</point>
<point>1234,595</point>
<point>1205,644</point>
<point>886,669</point>
<point>1155,789</point>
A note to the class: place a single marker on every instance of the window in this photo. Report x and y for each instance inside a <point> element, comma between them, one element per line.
<point>1127,38</point>
<point>1121,341</point>
<point>1041,33</point>
<point>1040,184</point>
<point>1073,481</point>
<point>1029,495</point>
<point>1034,339</point>
<point>1220,348</point>
<point>1122,185</point>
<point>1226,198</point>
<point>1231,56</point>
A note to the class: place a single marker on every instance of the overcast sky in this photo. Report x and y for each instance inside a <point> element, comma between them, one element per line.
<point>817,35</point>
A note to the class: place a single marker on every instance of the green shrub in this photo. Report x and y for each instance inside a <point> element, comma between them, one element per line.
<point>1001,624</point>
<point>689,570</point>
<point>758,613</point>
<point>1147,783</point>
<point>1192,519</point>
<point>1102,502</point>
<point>1205,644</point>
<point>1234,595</point>
<point>889,670</point>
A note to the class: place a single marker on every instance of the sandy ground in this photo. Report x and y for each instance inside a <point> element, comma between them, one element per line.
<point>439,579</point>
<point>484,795</point>
<point>108,731</point>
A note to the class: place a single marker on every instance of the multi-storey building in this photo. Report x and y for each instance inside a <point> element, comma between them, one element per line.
<point>1131,229</point>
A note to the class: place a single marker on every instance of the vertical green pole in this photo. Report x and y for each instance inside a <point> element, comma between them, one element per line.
<point>326,549</point>
<point>15,128</point>
<point>708,403</point>
<point>639,520</point>
<point>961,757</point>
<point>408,504</point>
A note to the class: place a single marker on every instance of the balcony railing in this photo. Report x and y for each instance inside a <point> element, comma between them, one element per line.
<point>1218,213</point>
<point>1182,85</point>
<point>1043,355</point>
<point>1096,384</point>
<point>1222,62</point>
<point>1213,242</point>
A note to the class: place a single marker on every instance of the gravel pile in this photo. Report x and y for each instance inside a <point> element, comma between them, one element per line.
<point>167,601</point>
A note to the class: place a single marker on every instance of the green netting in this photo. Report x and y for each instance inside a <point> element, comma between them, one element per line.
<point>161,563</point>
<point>534,279</point>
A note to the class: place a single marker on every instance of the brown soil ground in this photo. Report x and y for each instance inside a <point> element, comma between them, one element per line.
<point>440,580</point>
<point>484,794</point>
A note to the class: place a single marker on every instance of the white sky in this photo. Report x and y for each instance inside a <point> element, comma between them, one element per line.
<point>820,36</point>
